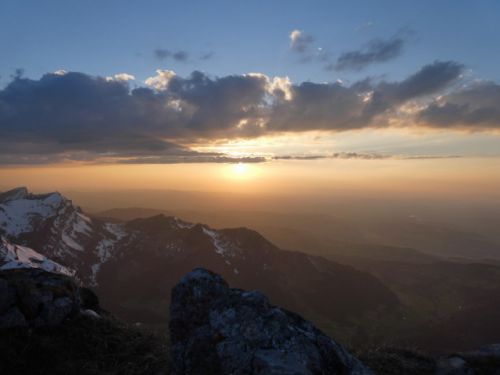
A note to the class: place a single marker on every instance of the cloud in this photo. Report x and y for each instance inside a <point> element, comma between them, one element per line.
<point>333,106</point>
<point>430,79</point>
<point>121,77</point>
<point>60,72</point>
<point>161,80</point>
<point>194,158</point>
<point>374,52</point>
<point>336,155</point>
<point>164,54</point>
<point>301,43</point>
<point>363,156</point>
<point>75,116</point>
<point>181,56</point>
<point>475,107</point>
<point>79,117</point>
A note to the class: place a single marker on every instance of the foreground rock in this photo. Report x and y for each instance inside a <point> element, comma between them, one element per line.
<point>485,360</point>
<point>218,330</point>
<point>34,298</point>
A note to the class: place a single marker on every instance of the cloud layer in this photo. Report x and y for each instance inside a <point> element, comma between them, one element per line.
<point>75,116</point>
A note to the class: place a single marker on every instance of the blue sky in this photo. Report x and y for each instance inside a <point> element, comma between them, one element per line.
<point>108,37</point>
<point>392,77</point>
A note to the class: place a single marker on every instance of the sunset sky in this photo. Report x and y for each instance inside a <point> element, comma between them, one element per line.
<point>253,96</point>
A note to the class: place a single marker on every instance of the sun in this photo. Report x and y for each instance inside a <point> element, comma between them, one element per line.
<point>240,169</point>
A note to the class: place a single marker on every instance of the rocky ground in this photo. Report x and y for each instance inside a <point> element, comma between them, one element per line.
<point>50,325</point>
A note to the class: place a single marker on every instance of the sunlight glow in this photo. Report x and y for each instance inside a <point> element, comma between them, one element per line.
<point>240,169</point>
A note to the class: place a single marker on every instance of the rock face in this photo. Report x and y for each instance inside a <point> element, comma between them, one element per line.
<point>218,330</point>
<point>34,298</point>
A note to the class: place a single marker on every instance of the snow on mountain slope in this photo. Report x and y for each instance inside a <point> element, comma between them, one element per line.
<point>14,256</point>
<point>105,249</point>
<point>21,213</point>
<point>58,229</point>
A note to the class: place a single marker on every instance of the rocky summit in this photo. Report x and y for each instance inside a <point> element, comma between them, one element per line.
<point>219,330</point>
<point>35,298</point>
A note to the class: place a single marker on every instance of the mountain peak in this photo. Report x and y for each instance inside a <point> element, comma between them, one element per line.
<point>16,193</point>
<point>20,210</point>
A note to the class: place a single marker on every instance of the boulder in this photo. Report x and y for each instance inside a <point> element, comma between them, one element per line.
<point>34,298</point>
<point>215,329</point>
<point>485,360</point>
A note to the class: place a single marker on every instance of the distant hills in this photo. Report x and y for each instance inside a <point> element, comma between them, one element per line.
<point>132,265</point>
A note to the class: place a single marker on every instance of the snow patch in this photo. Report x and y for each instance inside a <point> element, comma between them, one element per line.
<point>19,216</point>
<point>68,241</point>
<point>182,224</point>
<point>219,245</point>
<point>14,257</point>
<point>105,248</point>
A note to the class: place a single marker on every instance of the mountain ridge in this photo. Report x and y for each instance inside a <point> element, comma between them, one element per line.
<point>132,264</point>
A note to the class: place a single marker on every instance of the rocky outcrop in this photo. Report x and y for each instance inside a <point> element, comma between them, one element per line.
<point>34,298</point>
<point>218,330</point>
<point>485,360</point>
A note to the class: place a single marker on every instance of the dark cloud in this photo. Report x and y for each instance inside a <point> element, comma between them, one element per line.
<point>425,157</point>
<point>473,107</point>
<point>198,158</point>
<point>333,106</point>
<point>362,156</point>
<point>74,116</point>
<point>376,51</point>
<point>164,54</point>
<point>429,80</point>
<point>182,56</point>
<point>336,155</point>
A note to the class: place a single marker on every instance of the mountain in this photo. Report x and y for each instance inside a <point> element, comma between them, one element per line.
<point>127,214</point>
<point>15,257</point>
<point>165,248</point>
<point>53,226</point>
<point>133,265</point>
<point>461,234</point>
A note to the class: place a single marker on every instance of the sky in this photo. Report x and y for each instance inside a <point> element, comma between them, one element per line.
<point>240,92</point>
